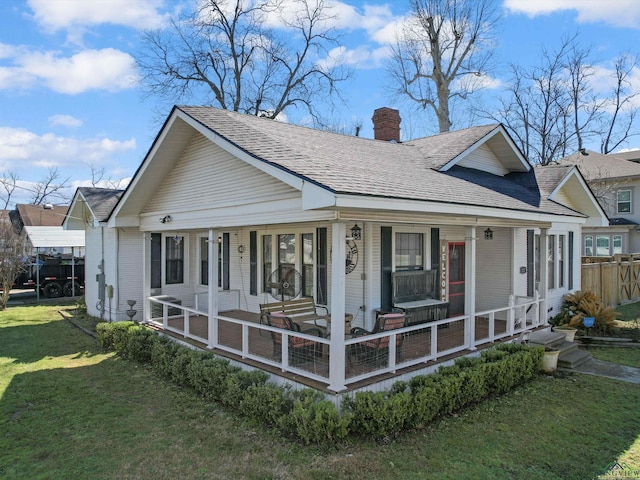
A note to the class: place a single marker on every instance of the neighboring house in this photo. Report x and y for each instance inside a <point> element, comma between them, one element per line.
<point>615,180</point>
<point>40,228</point>
<point>89,212</point>
<point>223,202</point>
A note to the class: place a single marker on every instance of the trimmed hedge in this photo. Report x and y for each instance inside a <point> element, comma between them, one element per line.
<point>306,414</point>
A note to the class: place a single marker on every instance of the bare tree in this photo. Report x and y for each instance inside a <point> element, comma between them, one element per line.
<point>9,182</point>
<point>442,53</point>
<point>617,127</point>
<point>226,55</point>
<point>98,178</point>
<point>552,109</point>
<point>51,189</point>
<point>11,260</point>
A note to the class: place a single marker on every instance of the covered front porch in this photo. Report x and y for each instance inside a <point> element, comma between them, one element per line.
<point>224,317</point>
<point>239,335</point>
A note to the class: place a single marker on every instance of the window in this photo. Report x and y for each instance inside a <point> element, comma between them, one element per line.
<point>602,246</point>
<point>174,266</point>
<point>551,261</point>
<point>561,261</point>
<point>624,201</point>
<point>588,246</point>
<point>307,265</point>
<point>291,253</point>
<point>409,251</point>
<point>617,244</point>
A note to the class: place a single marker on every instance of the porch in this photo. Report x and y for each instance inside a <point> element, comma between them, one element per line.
<point>337,364</point>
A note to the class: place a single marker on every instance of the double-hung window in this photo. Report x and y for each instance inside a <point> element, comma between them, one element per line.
<point>588,246</point>
<point>623,204</point>
<point>174,263</point>
<point>409,251</point>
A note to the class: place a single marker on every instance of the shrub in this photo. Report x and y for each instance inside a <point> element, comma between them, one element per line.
<point>306,414</point>
<point>578,305</point>
<point>315,420</point>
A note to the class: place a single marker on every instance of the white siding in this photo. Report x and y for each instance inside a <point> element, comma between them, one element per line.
<point>493,269</point>
<point>483,158</point>
<point>207,176</point>
<point>130,271</point>
<point>92,259</point>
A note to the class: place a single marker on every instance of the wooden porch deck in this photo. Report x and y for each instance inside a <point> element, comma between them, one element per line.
<point>415,346</point>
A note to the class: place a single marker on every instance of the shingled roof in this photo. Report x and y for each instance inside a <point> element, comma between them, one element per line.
<point>38,215</point>
<point>597,166</point>
<point>101,201</point>
<point>359,166</point>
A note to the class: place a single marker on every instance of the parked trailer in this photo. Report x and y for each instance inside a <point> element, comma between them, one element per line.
<point>56,278</point>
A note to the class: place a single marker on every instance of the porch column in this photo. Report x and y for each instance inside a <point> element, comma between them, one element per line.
<point>336,348</point>
<point>544,274</point>
<point>470,287</point>
<point>146,277</point>
<point>212,291</point>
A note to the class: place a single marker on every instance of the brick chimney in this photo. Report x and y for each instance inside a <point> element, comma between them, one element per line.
<point>386,124</point>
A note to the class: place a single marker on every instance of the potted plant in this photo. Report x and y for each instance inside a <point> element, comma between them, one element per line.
<point>550,359</point>
<point>568,330</point>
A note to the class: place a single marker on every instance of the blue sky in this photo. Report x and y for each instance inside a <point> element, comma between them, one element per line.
<point>70,96</point>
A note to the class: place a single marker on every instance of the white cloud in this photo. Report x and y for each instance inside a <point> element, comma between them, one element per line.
<point>64,121</point>
<point>23,148</point>
<point>76,15</point>
<point>620,13</point>
<point>362,57</point>
<point>106,69</point>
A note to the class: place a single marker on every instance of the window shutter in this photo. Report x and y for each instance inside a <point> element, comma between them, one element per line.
<point>321,266</point>
<point>386,261</point>
<point>530,264</point>
<point>253,262</point>
<point>225,261</point>
<point>571,250</point>
<point>156,260</point>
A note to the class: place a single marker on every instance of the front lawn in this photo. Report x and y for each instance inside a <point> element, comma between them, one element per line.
<point>69,410</point>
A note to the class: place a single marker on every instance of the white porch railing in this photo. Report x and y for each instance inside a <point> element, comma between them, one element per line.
<point>407,346</point>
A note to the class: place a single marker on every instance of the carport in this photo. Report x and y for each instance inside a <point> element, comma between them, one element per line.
<point>55,237</point>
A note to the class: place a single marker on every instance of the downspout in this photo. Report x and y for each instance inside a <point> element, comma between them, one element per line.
<point>117,277</point>
<point>102,271</point>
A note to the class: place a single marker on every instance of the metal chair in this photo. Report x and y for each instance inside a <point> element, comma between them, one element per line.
<point>377,350</point>
<point>301,349</point>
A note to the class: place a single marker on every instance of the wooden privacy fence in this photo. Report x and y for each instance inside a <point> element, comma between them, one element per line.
<point>615,280</point>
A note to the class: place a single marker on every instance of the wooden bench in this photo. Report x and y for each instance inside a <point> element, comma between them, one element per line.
<point>299,310</point>
<point>414,292</point>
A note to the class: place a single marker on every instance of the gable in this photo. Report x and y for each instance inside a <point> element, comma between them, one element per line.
<point>573,192</point>
<point>483,158</point>
<point>206,176</point>
<point>494,153</point>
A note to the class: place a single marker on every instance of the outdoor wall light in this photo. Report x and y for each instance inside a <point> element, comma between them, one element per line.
<point>488,234</point>
<point>166,219</point>
<point>356,232</point>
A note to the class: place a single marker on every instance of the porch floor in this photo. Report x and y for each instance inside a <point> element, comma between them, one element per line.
<point>414,346</point>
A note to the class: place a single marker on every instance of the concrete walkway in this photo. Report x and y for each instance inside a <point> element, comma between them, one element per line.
<point>609,370</point>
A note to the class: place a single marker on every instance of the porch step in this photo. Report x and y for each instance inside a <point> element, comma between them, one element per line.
<point>573,359</point>
<point>571,356</point>
<point>546,338</point>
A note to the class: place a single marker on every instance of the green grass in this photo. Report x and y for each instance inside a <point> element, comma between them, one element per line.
<point>628,312</point>
<point>624,356</point>
<point>69,410</point>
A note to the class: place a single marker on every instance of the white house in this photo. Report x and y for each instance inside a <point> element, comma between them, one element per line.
<point>224,204</point>
<point>89,211</point>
